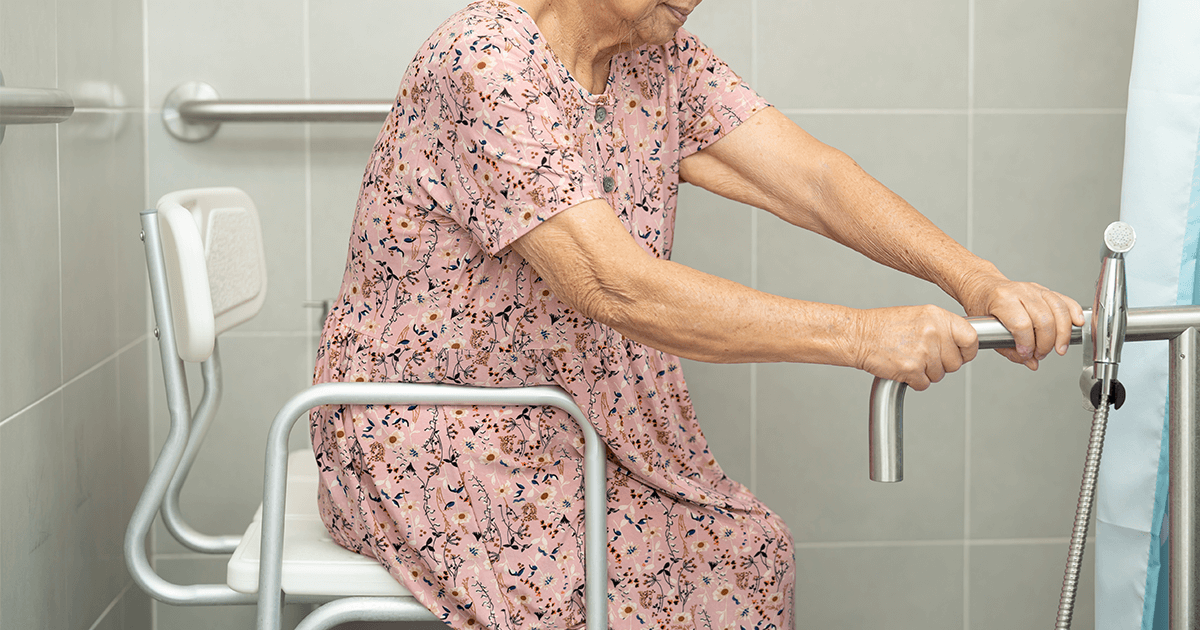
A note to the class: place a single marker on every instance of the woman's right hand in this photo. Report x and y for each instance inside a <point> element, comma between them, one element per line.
<point>917,345</point>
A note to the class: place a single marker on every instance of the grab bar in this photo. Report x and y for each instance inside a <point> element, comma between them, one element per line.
<point>28,106</point>
<point>193,112</point>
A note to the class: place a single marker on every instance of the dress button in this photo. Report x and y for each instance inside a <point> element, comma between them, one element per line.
<point>609,184</point>
<point>601,114</point>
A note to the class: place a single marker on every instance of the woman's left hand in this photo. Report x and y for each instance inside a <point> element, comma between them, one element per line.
<point>1039,319</point>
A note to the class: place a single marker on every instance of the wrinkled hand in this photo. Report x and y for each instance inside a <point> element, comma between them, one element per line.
<point>1039,319</point>
<point>917,345</point>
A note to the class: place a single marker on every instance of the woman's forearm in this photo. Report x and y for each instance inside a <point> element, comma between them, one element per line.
<point>771,163</point>
<point>707,318</point>
<point>593,265</point>
<point>858,211</point>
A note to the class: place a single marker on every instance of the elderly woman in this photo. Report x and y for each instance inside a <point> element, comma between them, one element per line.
<point>514,228</point>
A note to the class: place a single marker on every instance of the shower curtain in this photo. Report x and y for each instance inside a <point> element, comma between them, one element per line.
<point>1160,198</point>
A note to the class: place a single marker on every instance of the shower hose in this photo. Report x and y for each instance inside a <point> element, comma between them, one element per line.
<point>1083,510</point>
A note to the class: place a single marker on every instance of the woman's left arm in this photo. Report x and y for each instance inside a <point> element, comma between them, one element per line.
<point>770,162</point>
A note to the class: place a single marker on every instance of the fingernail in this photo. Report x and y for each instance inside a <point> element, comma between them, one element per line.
<point>1062,350</point>
<point>1032,364</point>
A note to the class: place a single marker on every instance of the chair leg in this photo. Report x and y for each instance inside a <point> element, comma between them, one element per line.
<point>340,611</point>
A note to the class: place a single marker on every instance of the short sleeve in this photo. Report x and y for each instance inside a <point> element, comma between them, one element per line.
<point>508,157</point>
<point>713,99</point>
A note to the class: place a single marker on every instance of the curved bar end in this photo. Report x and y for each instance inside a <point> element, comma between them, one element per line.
<point>886,430</point>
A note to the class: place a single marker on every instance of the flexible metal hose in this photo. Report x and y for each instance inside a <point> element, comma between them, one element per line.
<point>1083,512</point>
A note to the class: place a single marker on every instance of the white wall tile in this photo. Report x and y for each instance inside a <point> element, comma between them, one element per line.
<point>30,328</point>
<point>360,49</point>
<point>243,49</point>
<point>91,456</point>
<point>35,504</point>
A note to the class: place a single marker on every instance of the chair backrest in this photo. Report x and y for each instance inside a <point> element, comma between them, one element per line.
<point>216,267</point>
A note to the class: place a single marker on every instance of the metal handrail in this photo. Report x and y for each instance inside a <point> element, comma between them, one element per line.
<point>193,112</point>
<point>27,106</point>
<point>283,111</point>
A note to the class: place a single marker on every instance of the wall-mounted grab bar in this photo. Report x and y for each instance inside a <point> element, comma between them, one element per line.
<point>193,111</point>
<point>886,422</point>
<point>27,106</point>
<point>1179,325</point>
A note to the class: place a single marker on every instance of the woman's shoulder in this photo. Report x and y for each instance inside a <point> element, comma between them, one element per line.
<point>499,30</point>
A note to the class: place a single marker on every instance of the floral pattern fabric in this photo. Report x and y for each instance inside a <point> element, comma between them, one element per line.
<point>478,510</point>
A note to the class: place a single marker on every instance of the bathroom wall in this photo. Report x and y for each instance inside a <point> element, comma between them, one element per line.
<point>74,440</point>
<point>1001,120</point>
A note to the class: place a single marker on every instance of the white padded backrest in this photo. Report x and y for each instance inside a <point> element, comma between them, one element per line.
<point>216,267</point>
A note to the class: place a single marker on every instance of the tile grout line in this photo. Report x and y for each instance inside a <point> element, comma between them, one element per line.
<point>968,381</point>
<point>308,176</point>
<point>67,384</point>
<point>111,605</point>
<point>62,368</point>
<point>754,267</point>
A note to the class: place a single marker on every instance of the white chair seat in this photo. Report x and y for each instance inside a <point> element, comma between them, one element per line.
<point>313,564</point>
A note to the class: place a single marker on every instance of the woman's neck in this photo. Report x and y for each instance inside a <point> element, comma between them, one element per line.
<point>582,35</point>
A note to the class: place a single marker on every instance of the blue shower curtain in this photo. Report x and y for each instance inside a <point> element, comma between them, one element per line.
<point>1160,198</point>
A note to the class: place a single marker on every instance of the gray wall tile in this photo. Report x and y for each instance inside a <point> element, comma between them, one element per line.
<point>898,588</point>
<point>85,55</point>
<point>339,158</point>
<point>33,532</point>
<point>90,227</point>
<point>27,44</point>
<point>1029,434</point>
<point>1017,586</point>
<point>1053,54</point>
<point>1045,188</point>
<point>863,53</point>
<point>95,488</point>
<point>134,420</point>
<point>361,49</point>
<point>243,49</point>
<point>128,75</point>
<point>30,326</point>
<point>136,607</point>
<point>726,27</point>
<point>128,200</point>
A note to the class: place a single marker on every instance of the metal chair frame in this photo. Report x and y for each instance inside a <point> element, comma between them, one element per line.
<point>171,468</point>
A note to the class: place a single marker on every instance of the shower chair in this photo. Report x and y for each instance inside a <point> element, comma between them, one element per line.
<point>207,271</point>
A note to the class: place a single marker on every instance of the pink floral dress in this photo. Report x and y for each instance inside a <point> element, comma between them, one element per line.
<point>478,510</point>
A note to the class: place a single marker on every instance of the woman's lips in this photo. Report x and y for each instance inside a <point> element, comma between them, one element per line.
<point>679,15</point>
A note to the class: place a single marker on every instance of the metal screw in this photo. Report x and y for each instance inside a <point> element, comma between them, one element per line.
<point>156,332</point>
<point>142,236</point>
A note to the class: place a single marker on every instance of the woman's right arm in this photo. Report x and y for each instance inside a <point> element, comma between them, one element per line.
<point>595,266</point>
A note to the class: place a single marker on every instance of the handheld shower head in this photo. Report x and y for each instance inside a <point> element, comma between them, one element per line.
<point>1109,310</point>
